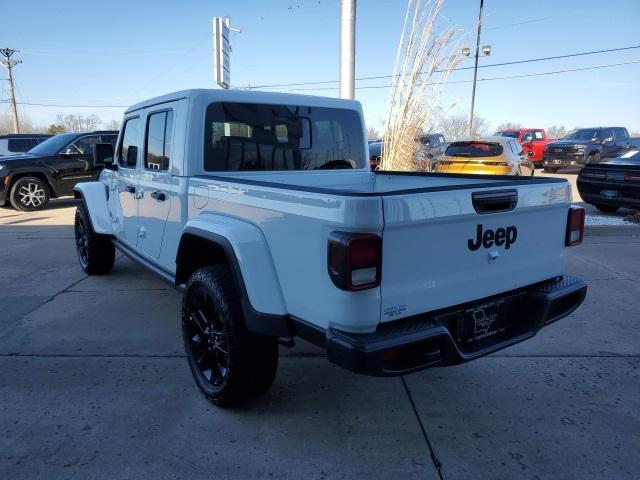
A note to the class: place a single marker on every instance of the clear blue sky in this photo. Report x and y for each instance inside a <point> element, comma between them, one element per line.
<point>117,53</point>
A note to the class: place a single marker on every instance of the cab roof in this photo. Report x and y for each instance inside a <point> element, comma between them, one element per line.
<point>249,96</point>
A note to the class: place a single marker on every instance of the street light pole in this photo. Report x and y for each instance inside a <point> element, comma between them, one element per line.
<point>347,48</point>
<point>475,70</point>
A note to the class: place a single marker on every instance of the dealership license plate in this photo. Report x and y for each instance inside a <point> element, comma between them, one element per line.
<point>557,162</point>
<point>610,194</point>
<point>484,321</point>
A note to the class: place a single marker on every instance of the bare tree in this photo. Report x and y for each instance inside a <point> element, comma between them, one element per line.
<point>509,126</point>
<point>6,124</point>
<point>456,126</point>
<point>77,122</point>
<point>373,133</point>
<point>556,131</point>
<point>112,125</point>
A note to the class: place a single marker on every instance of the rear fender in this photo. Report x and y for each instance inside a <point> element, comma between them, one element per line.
<point>95,196</point>
<point>250,261</point>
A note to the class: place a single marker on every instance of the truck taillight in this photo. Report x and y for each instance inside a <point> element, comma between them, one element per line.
<point>575,226</point>
<point>354,260</point>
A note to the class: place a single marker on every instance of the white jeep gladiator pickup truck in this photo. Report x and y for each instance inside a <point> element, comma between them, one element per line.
<point>261,207</point>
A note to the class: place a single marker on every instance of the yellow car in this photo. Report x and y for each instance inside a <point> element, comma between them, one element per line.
<point>485,156</point>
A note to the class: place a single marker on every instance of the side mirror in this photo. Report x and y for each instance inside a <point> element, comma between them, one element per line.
<point>103,154</point>
<point>132,156</point>
<point>69,151</point>
<point>530,153</point>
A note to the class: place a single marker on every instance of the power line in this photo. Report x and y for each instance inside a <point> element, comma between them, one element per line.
<point>535,74</point>
<point>502,64</point>
<point>66,106</point>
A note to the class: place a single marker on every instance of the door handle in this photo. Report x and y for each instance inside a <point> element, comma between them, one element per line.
<point>158,195</point>
<point>130,189</point>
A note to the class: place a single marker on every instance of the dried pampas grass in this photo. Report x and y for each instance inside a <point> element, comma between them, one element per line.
<point>424,61</point>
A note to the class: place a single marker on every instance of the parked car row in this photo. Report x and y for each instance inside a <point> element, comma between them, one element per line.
<point>533,141</point>
<point>50,169</point>
<point>586,146</point>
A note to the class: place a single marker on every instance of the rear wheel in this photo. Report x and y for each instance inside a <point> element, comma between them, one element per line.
<point>606,208</point>
<point>29,194</point>
<point>96,252</point>
<point>229,364</point>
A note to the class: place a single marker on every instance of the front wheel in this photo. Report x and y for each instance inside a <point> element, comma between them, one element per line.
<point>96,252</point>
<point>229,364</point>
<point>29,194</point>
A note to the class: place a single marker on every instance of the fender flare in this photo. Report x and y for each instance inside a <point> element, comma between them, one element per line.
<point>251,264</point>
<point>95,196</point>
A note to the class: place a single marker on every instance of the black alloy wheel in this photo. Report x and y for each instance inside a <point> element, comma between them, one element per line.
<point>207,339</point>
<point>229,364</point>
<point>82,241</point>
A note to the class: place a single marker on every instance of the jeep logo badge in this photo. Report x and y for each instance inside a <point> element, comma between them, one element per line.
<point>501,236</point>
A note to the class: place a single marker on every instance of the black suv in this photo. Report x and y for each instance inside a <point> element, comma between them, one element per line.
<point>51,169</point>
<point>585,145</point>
<point>13,144</point>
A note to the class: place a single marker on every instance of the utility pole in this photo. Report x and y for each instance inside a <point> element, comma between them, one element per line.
<point>347,48</point>
<point>7,53</point>
<point>475,70</point>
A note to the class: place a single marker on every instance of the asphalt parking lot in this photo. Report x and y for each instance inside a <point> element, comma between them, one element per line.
<point>93,384</point>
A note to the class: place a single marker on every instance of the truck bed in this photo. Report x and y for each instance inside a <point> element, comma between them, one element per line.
<point>344,182</point>
<point>425,221</point>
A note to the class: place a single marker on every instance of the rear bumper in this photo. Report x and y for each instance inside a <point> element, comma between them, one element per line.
<point>432,339</point>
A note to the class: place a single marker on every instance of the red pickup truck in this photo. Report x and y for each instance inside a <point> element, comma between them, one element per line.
<point>533,141</point>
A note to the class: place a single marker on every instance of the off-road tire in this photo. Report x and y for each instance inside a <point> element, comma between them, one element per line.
<point>606,208</point>
<point>96,252</point>
<point>230,365</point>
<point>29,194</point>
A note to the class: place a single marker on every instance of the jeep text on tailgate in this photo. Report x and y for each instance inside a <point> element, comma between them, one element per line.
<point>262,209</point>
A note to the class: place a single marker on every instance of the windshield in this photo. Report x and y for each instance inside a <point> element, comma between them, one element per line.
<point>53,145</point>
<point>473,149</point>
<point>510,134</point>
<point>246,136</point>
<point>583,134</point>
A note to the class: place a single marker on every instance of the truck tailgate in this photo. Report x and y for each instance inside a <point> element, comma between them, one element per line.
<point>432,257</point>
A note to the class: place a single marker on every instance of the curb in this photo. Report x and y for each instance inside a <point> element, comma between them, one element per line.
<point>611,230</point>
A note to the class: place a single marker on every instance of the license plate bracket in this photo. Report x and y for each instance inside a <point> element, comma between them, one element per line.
<point>484,321</point>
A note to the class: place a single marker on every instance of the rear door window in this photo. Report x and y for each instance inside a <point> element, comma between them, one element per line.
<point>19,145</point>
<point>130,143</point>
<point>158,141</point>
<point>254,137</point>
<point>620,134</point>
